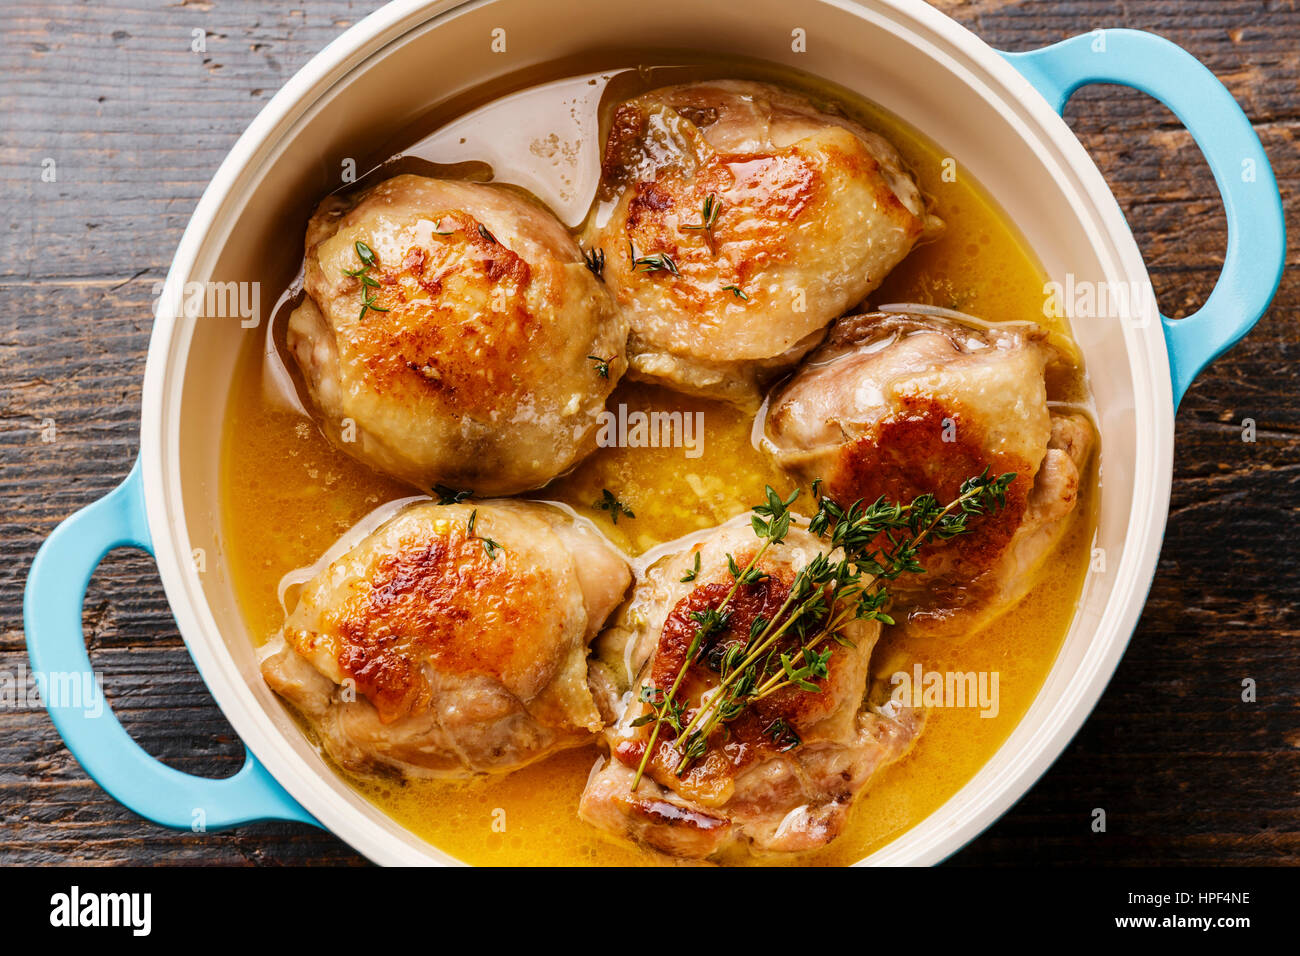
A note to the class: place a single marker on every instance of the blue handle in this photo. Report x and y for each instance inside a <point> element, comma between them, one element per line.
<point>56,590</point>
<point>1252,267</point>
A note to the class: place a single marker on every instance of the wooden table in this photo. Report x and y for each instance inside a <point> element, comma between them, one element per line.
<point>137,122</point>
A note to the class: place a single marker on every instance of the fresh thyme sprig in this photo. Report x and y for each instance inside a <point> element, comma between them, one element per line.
<point>368,282</point>
<point>709,212</point>
<point>451,496</point>
<point>659,262</point>
<point>771,522</point>
<point>656,698</point>
<point>608,501</point>
<point>782,734</point>
<point>489,546</point>
<point>791,649</point>
<point>857,588</point>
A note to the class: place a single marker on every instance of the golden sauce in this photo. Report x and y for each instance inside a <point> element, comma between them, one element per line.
<point>287,495</point>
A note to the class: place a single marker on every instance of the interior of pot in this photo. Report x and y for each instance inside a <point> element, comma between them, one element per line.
<point>910,63</point>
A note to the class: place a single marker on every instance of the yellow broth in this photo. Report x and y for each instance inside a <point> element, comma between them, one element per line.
<point>287,495</point>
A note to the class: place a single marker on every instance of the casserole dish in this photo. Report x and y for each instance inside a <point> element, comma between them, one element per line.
<point>998,112</point>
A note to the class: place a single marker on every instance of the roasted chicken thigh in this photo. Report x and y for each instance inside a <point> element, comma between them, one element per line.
<point>781,776</point>
<point>902,405</point>
<point>452,640</point>
<point>744,220</point>
<point>453,335</point>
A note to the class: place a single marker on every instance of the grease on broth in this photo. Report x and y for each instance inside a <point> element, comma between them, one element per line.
<point>287,495</point>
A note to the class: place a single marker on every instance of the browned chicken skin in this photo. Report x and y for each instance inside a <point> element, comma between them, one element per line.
<point>477,350</point>
<point>473,368</point>
<point>434,649</point>
<point>774,217</point>
<point>901,405</point>
<point>755,788</point>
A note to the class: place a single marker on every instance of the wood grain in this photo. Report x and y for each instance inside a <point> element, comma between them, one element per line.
<point>137,123</point>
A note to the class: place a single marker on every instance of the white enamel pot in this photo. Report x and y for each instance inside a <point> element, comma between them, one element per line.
<point>997,113</point>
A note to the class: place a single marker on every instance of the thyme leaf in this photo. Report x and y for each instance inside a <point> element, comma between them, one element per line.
<point>451,496</point>
<point>610,503</point>
<point>368,282</point>
<point>659,262</point>
<point>709,212</point>
<point>793,648</point>
<point>490,547</point>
